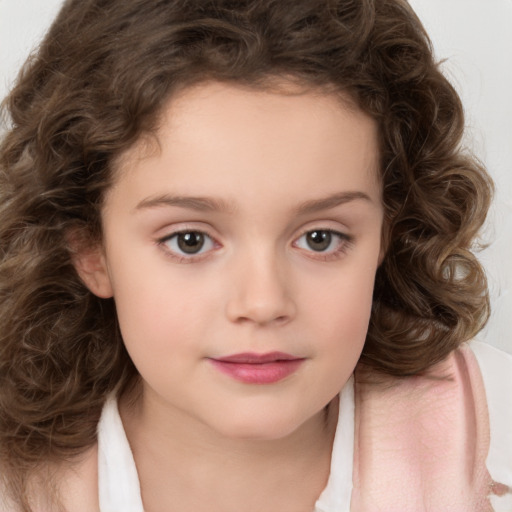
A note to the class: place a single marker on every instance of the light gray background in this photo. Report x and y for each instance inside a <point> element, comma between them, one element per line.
<point>475,38</point>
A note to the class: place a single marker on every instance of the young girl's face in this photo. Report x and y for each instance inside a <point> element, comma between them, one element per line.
<point>241,252</point>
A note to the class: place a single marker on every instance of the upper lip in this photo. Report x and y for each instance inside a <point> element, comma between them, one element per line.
<point>255,358</point>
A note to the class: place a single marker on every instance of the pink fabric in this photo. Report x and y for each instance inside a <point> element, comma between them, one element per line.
<point>421,443</point>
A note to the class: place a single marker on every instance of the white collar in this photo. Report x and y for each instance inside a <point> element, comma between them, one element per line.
<point>336,495</point>
<point>118,482</point>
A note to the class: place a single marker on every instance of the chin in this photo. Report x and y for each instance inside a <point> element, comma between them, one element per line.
<point>265,427</point>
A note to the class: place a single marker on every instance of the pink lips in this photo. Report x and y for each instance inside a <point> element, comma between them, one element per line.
<point>252,368</point>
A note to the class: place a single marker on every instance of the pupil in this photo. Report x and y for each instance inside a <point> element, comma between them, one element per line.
<point>319,240</point>
<point>190,243</point>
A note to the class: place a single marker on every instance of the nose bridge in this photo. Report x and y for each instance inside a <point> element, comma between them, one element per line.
<point>261,287</point>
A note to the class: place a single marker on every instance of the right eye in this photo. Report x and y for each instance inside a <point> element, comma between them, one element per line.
<point>186,244</point>
<point>325,241</point>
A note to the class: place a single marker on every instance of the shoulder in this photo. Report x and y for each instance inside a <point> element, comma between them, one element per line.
<point>496,371</point>
<point>427,438</point>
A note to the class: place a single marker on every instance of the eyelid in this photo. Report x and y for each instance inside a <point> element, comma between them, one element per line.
<point>181,257</point>
<point>345,243</point>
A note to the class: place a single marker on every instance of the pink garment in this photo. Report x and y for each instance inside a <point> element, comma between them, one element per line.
<point>421,443</point>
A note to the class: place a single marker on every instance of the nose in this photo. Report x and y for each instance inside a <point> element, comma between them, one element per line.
<point>261,291</point>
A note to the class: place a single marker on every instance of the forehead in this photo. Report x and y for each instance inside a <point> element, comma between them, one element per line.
<point>229,133</point>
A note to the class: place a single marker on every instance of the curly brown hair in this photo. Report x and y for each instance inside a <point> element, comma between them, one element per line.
<point>98,82</point>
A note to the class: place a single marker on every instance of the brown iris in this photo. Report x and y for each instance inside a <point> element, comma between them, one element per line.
<point>319,240</point>
<point>191,242</point>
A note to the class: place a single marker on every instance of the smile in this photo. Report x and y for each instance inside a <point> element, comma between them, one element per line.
<point>252,368</point>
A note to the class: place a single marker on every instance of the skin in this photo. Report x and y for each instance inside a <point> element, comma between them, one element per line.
<point>269,168</point>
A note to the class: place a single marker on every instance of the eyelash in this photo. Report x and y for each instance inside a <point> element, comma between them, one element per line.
<point>180,258</point>
<point>344,243</point>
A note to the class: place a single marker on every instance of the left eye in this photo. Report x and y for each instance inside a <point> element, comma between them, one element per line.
<point>321,240</point>
<point>189,243</point>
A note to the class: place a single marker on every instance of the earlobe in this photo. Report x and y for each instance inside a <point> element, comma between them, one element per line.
<point>93,271</point>
<point>91,266</point>
<point>382,255</point>
<point>384,243</point>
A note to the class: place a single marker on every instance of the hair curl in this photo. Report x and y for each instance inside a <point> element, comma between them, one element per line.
<point>99,80</point>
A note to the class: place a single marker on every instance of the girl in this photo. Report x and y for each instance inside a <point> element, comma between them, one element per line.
<point>236,270</point>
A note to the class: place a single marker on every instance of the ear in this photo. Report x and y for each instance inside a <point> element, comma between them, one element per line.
<point>384,242</point>
<point>90,263</point>
<point>382,255</point>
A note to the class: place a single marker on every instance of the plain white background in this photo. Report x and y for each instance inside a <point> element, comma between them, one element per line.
<point>475,38</point>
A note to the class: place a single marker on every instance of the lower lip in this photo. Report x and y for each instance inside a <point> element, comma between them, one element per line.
<point>258,373</point>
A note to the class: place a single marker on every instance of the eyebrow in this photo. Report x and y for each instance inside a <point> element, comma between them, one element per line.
<point>202,204</point>
<point>209,204</point>
<point>316,205</point>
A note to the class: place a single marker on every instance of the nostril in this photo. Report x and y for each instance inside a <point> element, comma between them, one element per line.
<point>260,296</point>
<point>262,320</point>
<point>262,314</point>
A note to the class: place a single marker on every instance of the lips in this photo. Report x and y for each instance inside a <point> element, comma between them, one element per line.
<point>252,368</point>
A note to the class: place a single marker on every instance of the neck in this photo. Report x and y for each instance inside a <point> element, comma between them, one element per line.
<point>185,465</point>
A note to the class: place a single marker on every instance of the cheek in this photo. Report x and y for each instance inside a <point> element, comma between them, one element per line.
<point>342,316</point>
<point>166,320</point>
<point>160,335</point>
<point>157,317</point>
<point>345,301</point>
<point>149,293</point>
